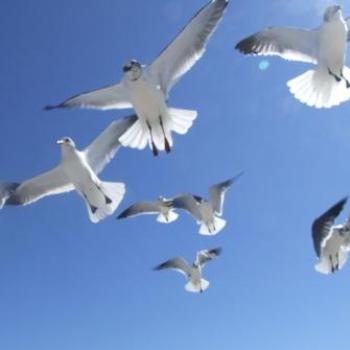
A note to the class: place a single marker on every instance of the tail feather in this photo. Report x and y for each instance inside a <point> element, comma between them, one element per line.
<point>319,89</point>
<point>214,228</point>
<point>137,136</point>
<point>172,216</point>
<point>102,202</point>
<point>180,120</point>
<point>198,287</point>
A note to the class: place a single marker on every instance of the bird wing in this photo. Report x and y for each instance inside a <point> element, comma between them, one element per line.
<point>178,263</point>
<point>189,203</point>
<point>203,256</point>
<point>289,43</point>
<point>140,208</point>
<point>110,97</point>
<point>322,226</point>
<point>101,151</point>
<point>188,47</point>
<point>217,193</point>
<point>347,20</point>
<point>46,184</point>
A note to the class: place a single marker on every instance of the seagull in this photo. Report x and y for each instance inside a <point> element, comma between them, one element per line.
<point>146,88</point>
<point>162,207</point>
<point>195,282</point>
<point>325,46</point>
<point>78,171</point>
<point>331,242</point>
<point>207,212</point>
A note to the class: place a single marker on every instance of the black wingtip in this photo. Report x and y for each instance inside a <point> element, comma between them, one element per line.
<point>247,46</point>
<point>217,251</point>
<point>50,107</point>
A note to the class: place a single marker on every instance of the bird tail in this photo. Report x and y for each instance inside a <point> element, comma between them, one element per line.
<point>170,217</point>
<point>139,135</point>
<point>103,201</point>
<point>197,288</point>
<point>324,265</point>
<point>319,88</point>
<point>214,228</point>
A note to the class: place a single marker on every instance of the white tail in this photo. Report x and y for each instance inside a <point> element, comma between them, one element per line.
<point>198,287</point>
<point>324,264</point>
<point>319,89</point>
<point>103,201</point>
<point>170,217</point>
<point>212,228</point>
<point>177,120</point>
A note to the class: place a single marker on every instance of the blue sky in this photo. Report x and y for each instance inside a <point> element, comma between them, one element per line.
<point>68,284</point>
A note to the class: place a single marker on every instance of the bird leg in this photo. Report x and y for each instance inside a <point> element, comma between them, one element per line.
<point>107,199</point>
<point>166,142</point>
<point>337,79</point>
<point>346,80</point>
<point>332,265</point>
<point>154,148</point>
<point>337,264</point>
<point>93,208</point>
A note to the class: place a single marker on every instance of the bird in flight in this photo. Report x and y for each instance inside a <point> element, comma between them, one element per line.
<point>331,242</point>
<point>193,273</point>
<point>78,171</point>
<point>207,212</point>
<point>146,88</point>
<point>325,46</point>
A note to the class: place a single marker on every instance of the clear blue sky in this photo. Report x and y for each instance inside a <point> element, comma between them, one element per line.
<point>67,284</point>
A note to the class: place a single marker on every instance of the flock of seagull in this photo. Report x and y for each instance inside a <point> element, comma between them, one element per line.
<point>146,90</point>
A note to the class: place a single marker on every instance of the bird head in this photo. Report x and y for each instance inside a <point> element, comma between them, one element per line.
<point>66,142</point>
<point>132,69</point>
<point>332,12</point>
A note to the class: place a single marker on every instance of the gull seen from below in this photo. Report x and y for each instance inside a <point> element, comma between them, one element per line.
<point>207,213</point>
<point>77,171</point>
<point>161,207</point>
<point>193,273</point>
<point>326,86</point>
<point>331,242</point>
<point>146,88</point>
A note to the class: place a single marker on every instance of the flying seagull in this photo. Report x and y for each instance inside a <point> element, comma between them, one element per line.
<point>193,273</point>
<point>331,242</point>
<point>146,88</point>
<point>77,171</point>
<point>328,84</point>
<point>207,213</point>
<point>161,207</point>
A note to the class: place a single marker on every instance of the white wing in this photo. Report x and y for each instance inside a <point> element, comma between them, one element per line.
<point>217,193</point>
<point>46,184</point>
<point>289,43</point>
<point>203,256</point>
<point>110,97</point>
<point>178,263</point>
<point>188,47</point>
<point>101,151</point>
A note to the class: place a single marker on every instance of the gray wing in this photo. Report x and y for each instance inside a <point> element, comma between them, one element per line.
<point>322,226</point>
<point>101,151</point>
<point>203,256</point>
<point>217,193</point>
<point>189,203</point>
<point>178,263</point>
<point>188,47</point>
<point>46,184</point>
<point>140,208</point>
<point>110,97</point>
<point>347,19</point>
<point>289,43</point>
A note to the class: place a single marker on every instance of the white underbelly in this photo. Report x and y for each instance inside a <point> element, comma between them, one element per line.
<point>207,213</point>
<point>333,39</point>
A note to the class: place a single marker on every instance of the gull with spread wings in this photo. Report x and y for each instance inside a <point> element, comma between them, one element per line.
<point>327,85</point>
<point>146,88</point>
<point>78,171</point>
<point>331,242</point>
<point>207,213</point>
<point>193,273</point>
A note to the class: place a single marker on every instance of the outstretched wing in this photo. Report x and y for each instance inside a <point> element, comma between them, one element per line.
<point>178,263</point>
<point>188,47</point>
<point>46,184</point>
<point>321,227</point>
<point>289,43</point>
<point>101,151</point>
<point>347,20</point>
<point>139,208</point>
<point>217,193</point>
<point>203,256</point>
<point>189,203</point>
<point>110,97</point>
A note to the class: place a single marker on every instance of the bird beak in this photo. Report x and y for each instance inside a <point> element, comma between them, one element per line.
<point>59,142</point>
<point>126,68</point>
